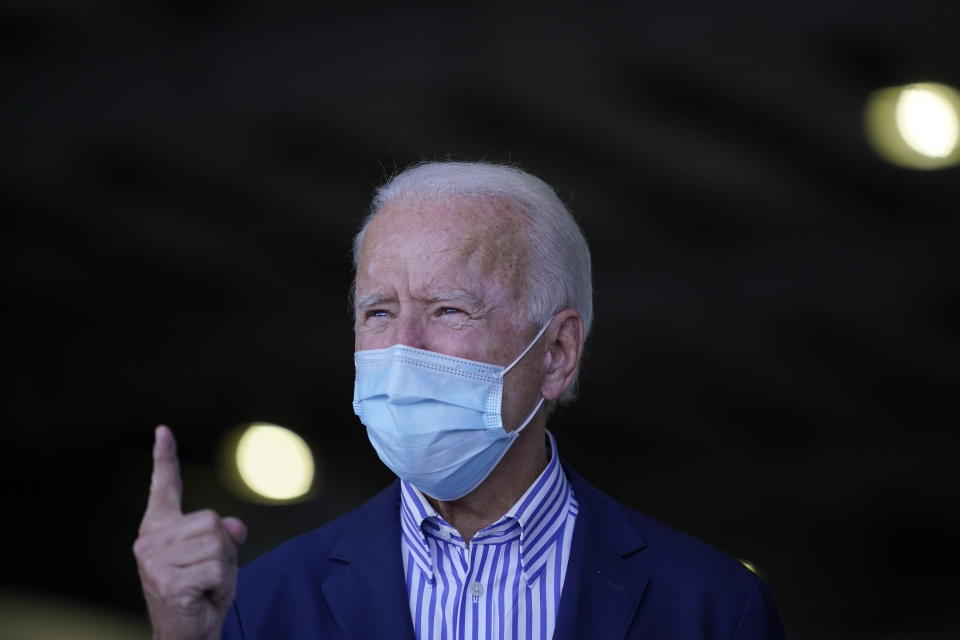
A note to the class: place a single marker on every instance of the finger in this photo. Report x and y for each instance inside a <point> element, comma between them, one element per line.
<point>210,575</point>
<point>193,525</point>
<point>200,549</point>
<point>236,529</point>
<point>220,544</point>
<point>165,485</point>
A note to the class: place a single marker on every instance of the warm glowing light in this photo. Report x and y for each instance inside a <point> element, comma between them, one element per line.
<point>749,565</point>
<point>274,462</point>
<point>917,125</point>
<point>927,121</point>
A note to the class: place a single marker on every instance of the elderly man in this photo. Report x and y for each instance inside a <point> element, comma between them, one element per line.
<point>472,304</point>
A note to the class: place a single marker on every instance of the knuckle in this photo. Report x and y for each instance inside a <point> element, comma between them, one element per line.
<point>216,546</point>
<point>140,546</point>
<point>216,573</point>
<point>182,602</point>
<point>151,566</point>
<point>208,518</point>
<point>168,591</point>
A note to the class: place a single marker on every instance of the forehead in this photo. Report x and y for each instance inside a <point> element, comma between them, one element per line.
<point>463,238</point>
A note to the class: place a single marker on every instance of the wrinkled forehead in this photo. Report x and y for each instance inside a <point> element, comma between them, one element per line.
<point>482,235</point>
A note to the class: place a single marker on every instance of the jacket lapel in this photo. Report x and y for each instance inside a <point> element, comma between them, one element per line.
<point>368,597</point>
<point>601,589</point>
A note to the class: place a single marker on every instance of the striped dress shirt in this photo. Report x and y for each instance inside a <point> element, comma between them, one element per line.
<point>504,584</point>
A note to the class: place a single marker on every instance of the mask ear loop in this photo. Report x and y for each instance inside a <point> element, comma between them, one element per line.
<point>517,431</point>
<point>529,346</point>
<point>536,338</point>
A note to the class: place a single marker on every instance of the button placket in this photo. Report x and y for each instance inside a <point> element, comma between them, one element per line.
<point>476,590</point>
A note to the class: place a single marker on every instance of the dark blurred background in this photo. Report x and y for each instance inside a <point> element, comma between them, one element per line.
<point>774,363</point>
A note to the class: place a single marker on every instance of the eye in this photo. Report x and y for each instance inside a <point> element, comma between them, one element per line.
<point>376,313</point>
<point>447,311</point>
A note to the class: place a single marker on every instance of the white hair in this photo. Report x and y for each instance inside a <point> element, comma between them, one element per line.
<point>558,274</point>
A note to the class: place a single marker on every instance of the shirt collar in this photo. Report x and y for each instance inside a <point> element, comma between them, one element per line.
<point>536,518</point>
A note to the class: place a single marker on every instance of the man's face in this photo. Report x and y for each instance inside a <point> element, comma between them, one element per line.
<point>446,275</point>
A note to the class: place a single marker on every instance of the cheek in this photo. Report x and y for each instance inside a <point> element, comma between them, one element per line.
<point>369,338</point>
<point>462,343</point>
<point>520,394</point>
<point>491,347</point>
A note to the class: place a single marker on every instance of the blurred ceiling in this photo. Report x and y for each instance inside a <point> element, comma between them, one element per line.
<point>774,362</point>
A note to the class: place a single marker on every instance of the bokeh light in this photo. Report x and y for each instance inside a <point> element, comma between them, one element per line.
<point>916,125</point>
<point>273,462</point>
<point>27,615</point>
<point>749,565</point>
<point>927,121</point>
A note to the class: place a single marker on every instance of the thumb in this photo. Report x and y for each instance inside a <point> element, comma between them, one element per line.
<point>236,529</point>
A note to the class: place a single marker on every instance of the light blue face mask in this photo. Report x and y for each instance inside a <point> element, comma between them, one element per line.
<point>435,419</point>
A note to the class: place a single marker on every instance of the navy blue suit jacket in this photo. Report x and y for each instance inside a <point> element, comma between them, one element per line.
<point>628,577</point>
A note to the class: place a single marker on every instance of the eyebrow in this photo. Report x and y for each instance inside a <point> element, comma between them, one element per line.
<point>374,299</point>
<point>456,295</point>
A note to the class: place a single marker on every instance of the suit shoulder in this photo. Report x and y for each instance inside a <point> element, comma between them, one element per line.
<point>315,549</point>
<point>689,556</point>
<point>280,593</point>
<point>664,552</point>
<point>695,586</point>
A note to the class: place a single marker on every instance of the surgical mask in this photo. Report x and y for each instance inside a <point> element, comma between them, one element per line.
<point>435,419</point>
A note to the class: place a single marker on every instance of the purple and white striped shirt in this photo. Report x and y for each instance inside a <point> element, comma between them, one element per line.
<point>506,583</point>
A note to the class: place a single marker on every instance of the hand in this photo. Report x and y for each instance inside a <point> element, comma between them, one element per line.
<point>187,563</point>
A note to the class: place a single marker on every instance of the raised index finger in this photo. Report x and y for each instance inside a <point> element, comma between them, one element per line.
<point>165,486</point>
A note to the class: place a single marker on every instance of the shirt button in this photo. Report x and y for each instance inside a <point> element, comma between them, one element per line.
<point>445,533</point>
<point>476,589</point>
